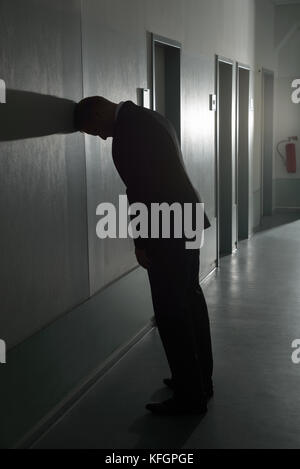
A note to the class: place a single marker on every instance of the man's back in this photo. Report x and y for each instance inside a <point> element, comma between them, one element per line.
<point>147,155</point>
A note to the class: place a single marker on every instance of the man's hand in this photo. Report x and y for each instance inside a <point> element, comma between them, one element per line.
<point>142,258</point>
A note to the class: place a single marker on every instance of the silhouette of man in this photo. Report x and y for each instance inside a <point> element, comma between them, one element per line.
<point>147,155</point>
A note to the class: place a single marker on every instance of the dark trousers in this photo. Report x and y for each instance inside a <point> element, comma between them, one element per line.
<point>182,318</point>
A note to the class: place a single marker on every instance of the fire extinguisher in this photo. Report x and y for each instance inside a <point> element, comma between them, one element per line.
<point>289,159</point>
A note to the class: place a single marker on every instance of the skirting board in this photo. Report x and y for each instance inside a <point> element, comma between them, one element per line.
<point>287,209</point>
<point>49,372</point>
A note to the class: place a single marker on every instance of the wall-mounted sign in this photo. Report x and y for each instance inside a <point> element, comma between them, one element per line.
<point>212,102</point>
<point>146,98</point>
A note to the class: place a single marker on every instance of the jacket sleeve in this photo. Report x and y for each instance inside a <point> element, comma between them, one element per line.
<point>207,223</point>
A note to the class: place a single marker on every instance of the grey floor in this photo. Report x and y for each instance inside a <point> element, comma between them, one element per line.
<point>254,303</point>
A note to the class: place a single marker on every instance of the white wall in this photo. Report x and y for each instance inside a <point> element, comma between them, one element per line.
<point>287,17</point>
<point>287,121</point>
<point>41,51</point>
<point>43,269</point>
<point>265,57</point>
<point>116,31</point>
<point>288,116</point>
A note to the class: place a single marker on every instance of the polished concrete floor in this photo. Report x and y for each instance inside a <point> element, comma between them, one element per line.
<point>254,303</point>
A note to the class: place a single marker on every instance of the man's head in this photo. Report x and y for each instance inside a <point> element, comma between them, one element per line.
<point>95,116</point>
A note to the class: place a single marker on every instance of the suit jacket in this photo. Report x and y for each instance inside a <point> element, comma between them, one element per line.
<point>148,158</point>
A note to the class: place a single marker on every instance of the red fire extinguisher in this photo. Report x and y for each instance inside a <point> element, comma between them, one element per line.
<point>289,158</point>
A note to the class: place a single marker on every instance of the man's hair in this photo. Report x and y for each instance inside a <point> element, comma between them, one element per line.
<point>83,112</point>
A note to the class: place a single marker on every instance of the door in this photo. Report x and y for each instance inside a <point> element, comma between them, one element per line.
<point>243,199</point>
<point>267,143</point>
<point>167,80</point>
<point>227,233</point>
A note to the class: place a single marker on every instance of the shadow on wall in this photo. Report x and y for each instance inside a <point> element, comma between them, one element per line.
<point>27,115</point>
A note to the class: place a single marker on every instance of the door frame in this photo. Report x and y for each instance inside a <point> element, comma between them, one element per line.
<point>241,66</point>
<point>156,39</point>
<point>264,71</point>
<point>221,59</point>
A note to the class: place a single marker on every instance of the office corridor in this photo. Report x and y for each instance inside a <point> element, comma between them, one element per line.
<point>254,303</point>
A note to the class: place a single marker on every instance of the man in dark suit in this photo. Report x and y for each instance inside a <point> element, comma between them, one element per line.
<point>147,155</point>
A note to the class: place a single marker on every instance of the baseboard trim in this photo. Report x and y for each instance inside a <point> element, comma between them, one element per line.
<point>287,209</point>
<point>79,392</point>
<point>206,275</point>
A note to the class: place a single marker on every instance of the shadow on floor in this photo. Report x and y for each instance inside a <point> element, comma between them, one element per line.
<point>156,431</point>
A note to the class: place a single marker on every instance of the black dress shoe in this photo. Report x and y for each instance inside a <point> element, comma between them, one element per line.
<point>209,392</point>
<point>175,407</point>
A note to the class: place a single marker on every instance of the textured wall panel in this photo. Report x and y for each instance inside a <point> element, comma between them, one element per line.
<point>114,61</point>
<point>43,270</point>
